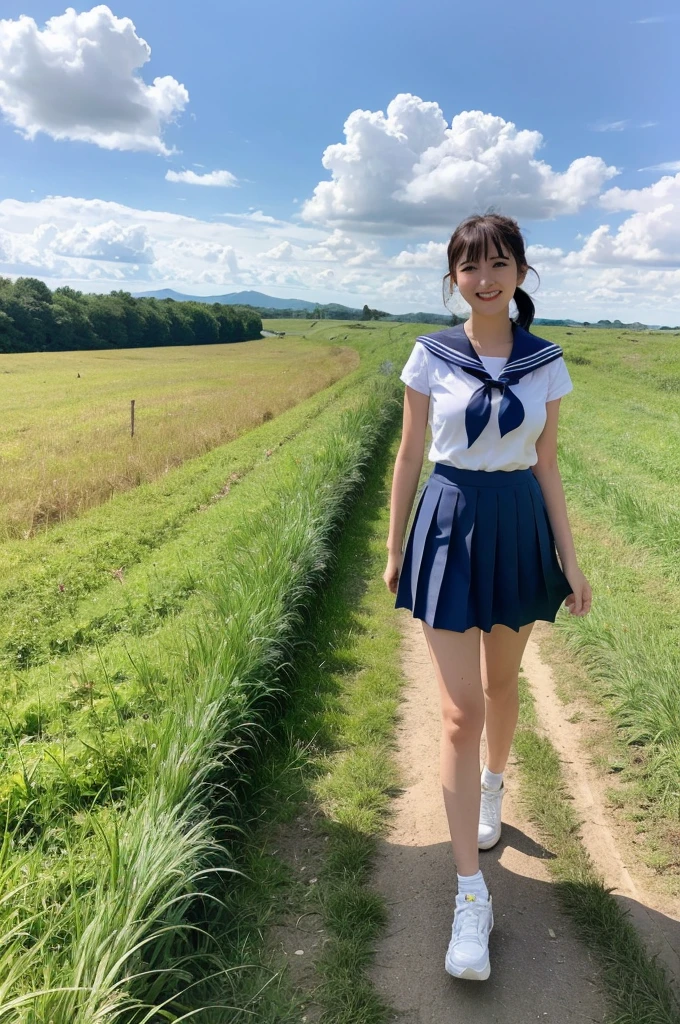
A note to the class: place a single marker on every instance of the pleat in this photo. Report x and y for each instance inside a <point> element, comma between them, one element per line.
<point>420,531</point>
<point>506,592</point>
<point>530,576</point>
<point>450,600</point>
<point>424,534</point>
<point>544,541</point>
<point>478,555</point>
<point>442,552</point>
<point>484,558</point>
<point>404,596</point>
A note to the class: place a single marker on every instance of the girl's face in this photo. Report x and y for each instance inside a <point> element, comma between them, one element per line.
<point>488,285</point>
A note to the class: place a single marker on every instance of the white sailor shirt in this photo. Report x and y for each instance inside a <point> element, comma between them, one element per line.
<point>450,389</point>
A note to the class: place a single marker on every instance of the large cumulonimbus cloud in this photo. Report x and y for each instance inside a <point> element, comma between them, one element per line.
<point>408,170</point>
<point>78,79</point>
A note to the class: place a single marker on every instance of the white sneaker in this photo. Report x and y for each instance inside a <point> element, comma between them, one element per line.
<point>490,817</point>
<point>468,952</point>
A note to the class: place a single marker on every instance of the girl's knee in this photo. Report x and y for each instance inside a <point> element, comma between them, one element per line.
<point>501,686</point>
<point>462,725</point>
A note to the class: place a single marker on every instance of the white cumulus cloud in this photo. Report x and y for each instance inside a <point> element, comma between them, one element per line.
<point>78,78</point>
<point>107,241</point>
<point>650,236</point>
<point>339,247</point>
<point>223,179</point>
<point>627,270</point>
<point>665,190</point>
<point>427,254</point>
<point>409,170</point>
<point>284,251</point>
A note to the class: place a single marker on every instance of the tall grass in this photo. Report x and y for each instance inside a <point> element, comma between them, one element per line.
<point>620,460</point>
<point>114,912</point>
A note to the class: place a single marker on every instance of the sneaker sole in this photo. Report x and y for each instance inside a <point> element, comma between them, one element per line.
<point>469,973</point>
<point>489,843</point>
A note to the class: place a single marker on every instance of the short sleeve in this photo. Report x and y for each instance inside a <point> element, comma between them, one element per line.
<point>559,381</point>
<point>415,372</point>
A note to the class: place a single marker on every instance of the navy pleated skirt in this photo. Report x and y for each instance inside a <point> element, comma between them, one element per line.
<point>480,551</point>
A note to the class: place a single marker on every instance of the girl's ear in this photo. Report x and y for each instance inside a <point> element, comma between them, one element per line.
<point>521,277</point>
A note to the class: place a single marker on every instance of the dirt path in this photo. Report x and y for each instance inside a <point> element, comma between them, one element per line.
<point>540,970</point>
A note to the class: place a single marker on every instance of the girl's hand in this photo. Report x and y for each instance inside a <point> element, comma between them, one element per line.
<point>391,574</point>
<point>580,600</point>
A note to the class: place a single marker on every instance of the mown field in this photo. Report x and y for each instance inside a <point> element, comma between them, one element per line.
<point>146,644</point>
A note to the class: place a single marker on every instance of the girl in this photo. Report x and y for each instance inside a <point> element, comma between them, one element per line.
<point>480,560</point>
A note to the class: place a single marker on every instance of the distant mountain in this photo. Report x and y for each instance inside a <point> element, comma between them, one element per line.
<point>238,299</point>
<point>269,303</point>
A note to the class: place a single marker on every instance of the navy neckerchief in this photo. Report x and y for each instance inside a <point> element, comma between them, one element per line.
<point>528,353</point>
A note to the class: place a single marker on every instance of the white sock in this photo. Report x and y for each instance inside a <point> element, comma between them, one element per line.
<point>473,884</point>
<point>492,780</point>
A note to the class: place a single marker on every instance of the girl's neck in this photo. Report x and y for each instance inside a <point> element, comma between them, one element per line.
<point>490,335</point>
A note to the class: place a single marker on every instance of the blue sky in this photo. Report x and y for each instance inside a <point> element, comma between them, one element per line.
<point>563,117</point>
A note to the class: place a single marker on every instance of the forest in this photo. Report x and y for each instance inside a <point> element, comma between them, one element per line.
<point>35,319</point>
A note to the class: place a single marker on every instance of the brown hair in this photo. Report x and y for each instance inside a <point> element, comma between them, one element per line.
<point>477,232</point>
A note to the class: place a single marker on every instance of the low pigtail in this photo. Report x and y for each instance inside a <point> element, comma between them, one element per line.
<point>525,309</point>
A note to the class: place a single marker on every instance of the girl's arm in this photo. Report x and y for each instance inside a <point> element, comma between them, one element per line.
<point>547,473</point>
<point>407,466</point>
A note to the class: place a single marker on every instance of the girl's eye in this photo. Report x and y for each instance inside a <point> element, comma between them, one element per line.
<point>498,263</point>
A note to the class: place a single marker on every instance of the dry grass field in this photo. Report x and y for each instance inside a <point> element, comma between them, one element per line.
<point>65,441</point>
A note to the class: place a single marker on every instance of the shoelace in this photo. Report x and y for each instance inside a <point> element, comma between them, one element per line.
<point>467,921</point>
<point>490,801</point>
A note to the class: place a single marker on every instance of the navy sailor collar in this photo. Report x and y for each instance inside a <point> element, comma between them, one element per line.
<point>528,353</point>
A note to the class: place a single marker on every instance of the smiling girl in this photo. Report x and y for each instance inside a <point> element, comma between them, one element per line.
<point>480,563</point>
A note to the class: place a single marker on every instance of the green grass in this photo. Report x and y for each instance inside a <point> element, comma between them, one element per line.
<point>206,683</point>
<point>619,455</point>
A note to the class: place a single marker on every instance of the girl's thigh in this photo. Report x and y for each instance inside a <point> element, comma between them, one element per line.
<point>501,656</point>
<point>456,662</point>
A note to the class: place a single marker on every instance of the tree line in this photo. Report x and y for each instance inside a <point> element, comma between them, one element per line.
<point>35,319</point>
<point>333,312</point>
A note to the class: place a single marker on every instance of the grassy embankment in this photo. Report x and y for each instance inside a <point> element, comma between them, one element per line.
<point>114,750</point>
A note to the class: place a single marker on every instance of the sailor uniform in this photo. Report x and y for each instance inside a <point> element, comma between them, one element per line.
<point>481,549</point>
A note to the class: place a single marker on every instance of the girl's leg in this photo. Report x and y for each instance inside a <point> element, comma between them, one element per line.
<point>501,656</point>
<point>456,661</point>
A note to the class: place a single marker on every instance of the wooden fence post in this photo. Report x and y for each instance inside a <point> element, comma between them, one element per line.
<point>132,417</point>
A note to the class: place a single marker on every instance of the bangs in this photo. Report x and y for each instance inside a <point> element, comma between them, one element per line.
<point>480,238</point>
